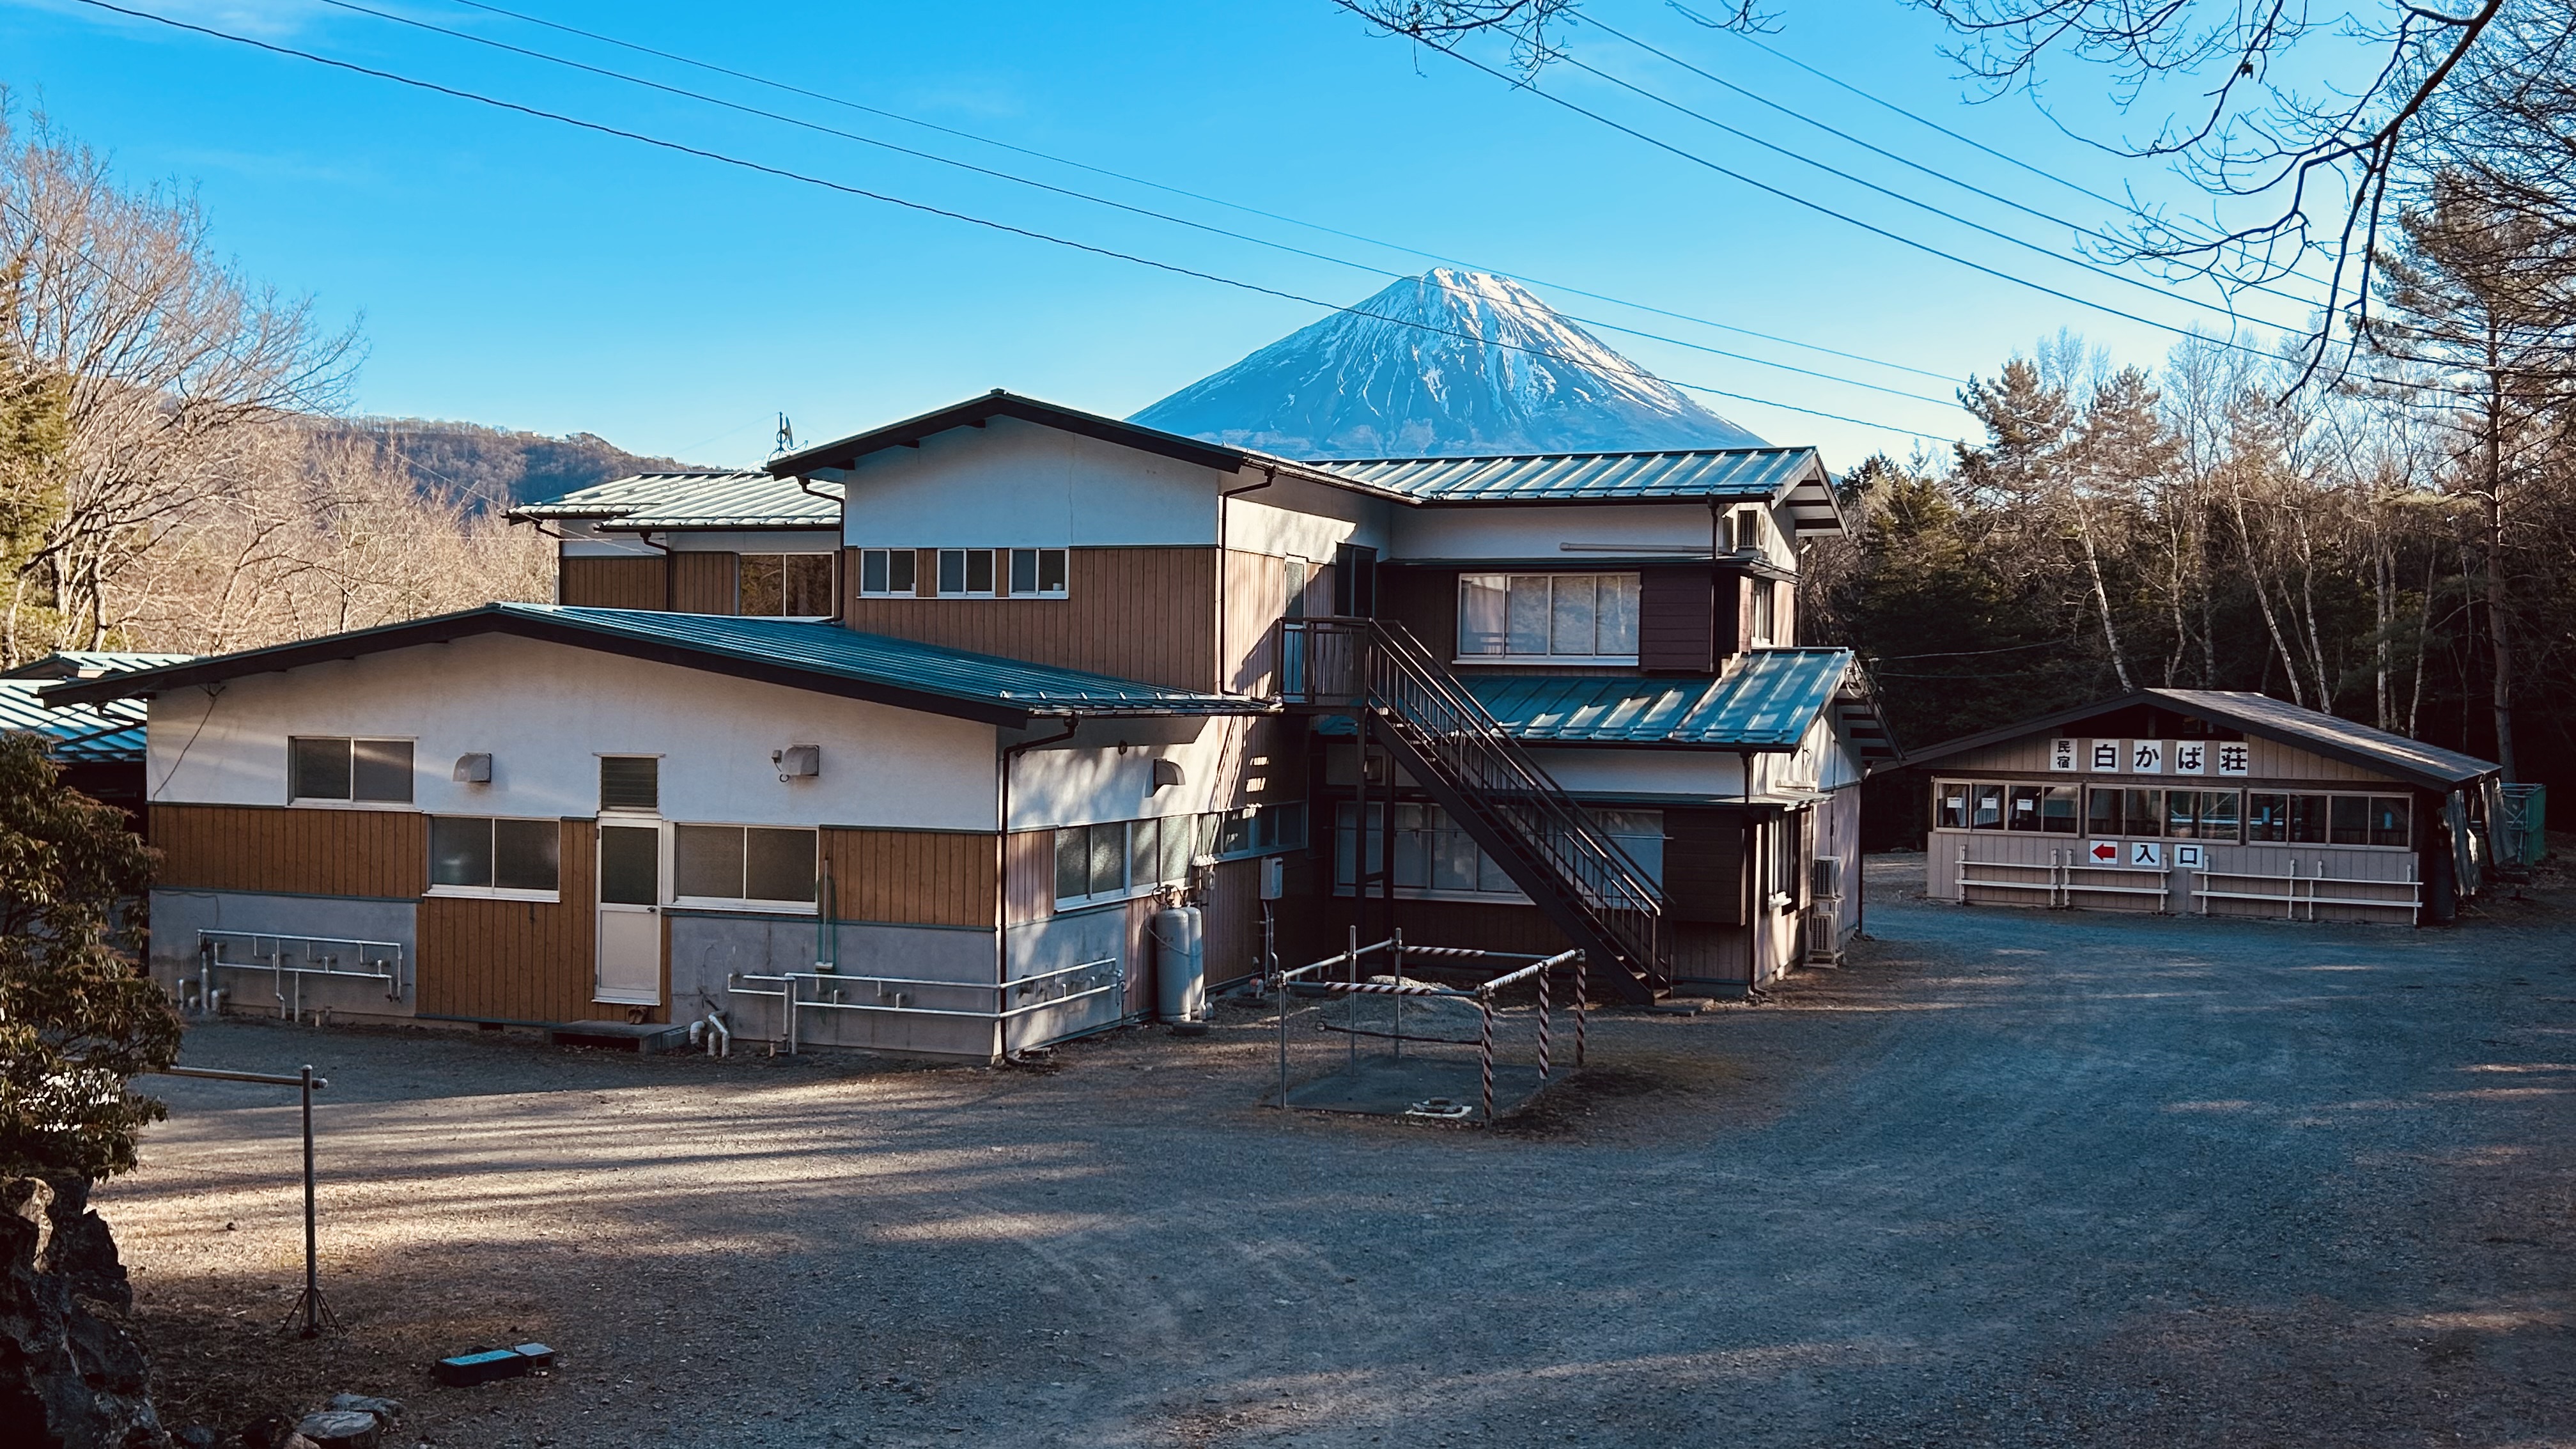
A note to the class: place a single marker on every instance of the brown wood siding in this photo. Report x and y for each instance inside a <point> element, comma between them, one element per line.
<point>702,583</point>
<point>1704,866</point>
<point>293,851</point>
<point>1231,931</point>
<point>1137,613</point>
<point>1256,597</point>
<point>1703,953</point>
<point>1677,619</point>
<point>1424,601</point>
<point>912,877</point>
<point>1032,877</point>
<point>520,960</point>
<point>610,583</point>
<point>1736,599</point>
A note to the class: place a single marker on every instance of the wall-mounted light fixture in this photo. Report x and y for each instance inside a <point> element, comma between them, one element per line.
<point>473,769</point>
<point>797,762</point>
<point>1167,773</point>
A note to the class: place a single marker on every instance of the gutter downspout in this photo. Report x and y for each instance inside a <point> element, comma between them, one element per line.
<point>840,555</point>
<point>1752,890</point>
<point>1268,476</point>
<point>1002,866</point>
<point>670,573</point>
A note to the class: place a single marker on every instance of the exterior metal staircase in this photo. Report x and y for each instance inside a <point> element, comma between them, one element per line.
<point>1551,847</point>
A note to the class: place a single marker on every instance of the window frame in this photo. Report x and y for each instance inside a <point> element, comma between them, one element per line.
<point>352,801</point>
<point>886,556</point>
<point>639,812</point>
<point>429,830</point>
<point>745,904</point>
<point>1195,826</point>
<point>786,594</point>
<point>1462,654</point>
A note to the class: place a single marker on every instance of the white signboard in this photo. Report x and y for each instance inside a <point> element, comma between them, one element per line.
<point>2106,757</point>
<point>2187,856</point>
<point>2146,757</point>
<point>2062,754</point>
<point>2234,757</point>
<point>2104,852</point>
<point>2190,757</point>
<point>2147,853</point>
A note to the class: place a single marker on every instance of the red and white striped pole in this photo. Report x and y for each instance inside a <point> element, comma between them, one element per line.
<point>1485,1051</point>
<point>1546,1018</point>
<point>1579,994</point>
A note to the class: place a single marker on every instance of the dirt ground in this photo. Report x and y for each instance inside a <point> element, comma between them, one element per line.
<point>2008,1178</point>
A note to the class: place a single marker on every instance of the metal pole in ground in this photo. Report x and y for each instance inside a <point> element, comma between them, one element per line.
<point>1546,1018</point>
<point>1352,1016</point>
<point>1485,1050</point>
<point>1579,994</point>
<point>1281,999</point>
<point>312,1260</point>
<point>1398,998</point>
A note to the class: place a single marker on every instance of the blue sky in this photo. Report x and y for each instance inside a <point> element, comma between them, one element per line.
<point>517,272</point>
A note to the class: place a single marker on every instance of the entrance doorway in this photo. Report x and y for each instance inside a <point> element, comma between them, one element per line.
<point>630,915</point>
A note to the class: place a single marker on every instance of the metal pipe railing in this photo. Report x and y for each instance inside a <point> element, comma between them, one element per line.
<point>789,995</point>
<point>389,957</point>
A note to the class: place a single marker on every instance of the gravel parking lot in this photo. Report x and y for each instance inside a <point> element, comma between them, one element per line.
<point>2009,1178</point>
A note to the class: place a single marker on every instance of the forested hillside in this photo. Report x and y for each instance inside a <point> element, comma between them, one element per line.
<point>494,466</point>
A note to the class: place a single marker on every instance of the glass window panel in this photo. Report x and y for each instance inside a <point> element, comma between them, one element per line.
<point>1292,824</point>
<point>2267,817</point>
<point>2057,810</point>
<point>2218,818</point>
<point>2308,819</point>
<point>778,865</point>
<point>1576,599</point>
<point>2102,812</point>
<point>460,850</point>
<point>526,854</point>
<point>1483,624</point>
<point>1024,571</point>
<point>1491,878</point>
<point>2391,819</point>
<point>1950,805</point>
<point>952,571</point>
<point>1455,862</point>
<point>630,782</point>
<point>903,571</point>
<point>760,586</point>
<point>2182,814</point>
<point>380,770</point>
<point>1616,625</point>
<point>979,571</point>
<point>2146,811</point>
<point>1180,838</point>
<point>1072,863</point>
<point>1108,859</point>
<point>809,585</point>
<point>1234,834</point>
<point>1051,571</point>
<point>1985,807</point>
<point>1528,609</point>
<point>706,860</point>
<point>2350,820</point>
<point>1412,846</point>
<point>2024,805</point>
<point>1346,843</point>
<point>1145,852</point>
<point>1292,592</point>
<point>318,769</point>
<point>630,865</point>
<point>872,571</point>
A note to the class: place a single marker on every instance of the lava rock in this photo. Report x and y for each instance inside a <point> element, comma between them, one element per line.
<point>71,1373</point>
<point>342,1429</point>
<point>385,1410</point>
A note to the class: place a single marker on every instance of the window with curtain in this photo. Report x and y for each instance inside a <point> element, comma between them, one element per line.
<point>1560,618</point>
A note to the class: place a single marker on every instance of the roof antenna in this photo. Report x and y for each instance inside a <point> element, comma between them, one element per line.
<point>786,436</point>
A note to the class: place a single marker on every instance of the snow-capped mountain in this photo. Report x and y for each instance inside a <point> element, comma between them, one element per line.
<point>1447,362</point>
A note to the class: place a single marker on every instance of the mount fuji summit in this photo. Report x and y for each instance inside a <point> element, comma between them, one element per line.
<point>1449,362</point>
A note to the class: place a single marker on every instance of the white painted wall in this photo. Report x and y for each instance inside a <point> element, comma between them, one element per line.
<point>1090,780</point>
<point>586,540</point>
<point>802,540</point>
<point>1535,531</point>
<point>546,711</point>
<point>1293,518</point>
<point>1642,771</point>
<point>1018,485</point>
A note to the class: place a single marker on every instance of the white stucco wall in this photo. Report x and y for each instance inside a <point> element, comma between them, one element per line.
<point>544,712</point>
<point>1538,532</point>
<point>1293,518</point>
<point>1642,771</point>
<point>1090,780</point>
<point>1012,484</point>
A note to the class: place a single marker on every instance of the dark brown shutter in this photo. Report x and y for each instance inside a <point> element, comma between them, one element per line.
<point>1676,619</point>
<point>1704,866</point>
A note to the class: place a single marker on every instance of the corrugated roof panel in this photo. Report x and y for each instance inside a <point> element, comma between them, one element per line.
<point>111,731</point>
<point>88,663</point>
<point>2400,755</point>
<point>1550,477</point>
<point>746,499</point>
<point>1767,702</point>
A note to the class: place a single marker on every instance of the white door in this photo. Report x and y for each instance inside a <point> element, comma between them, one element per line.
<point>630,915</point>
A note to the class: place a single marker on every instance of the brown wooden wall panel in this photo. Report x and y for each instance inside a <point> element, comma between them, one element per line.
<point>1677,618</point>
<point>611,583</point>
<point>519,960</point>
<point>1735,600</point>
<point>702,583</point>
<point>1704,866</point>
<point>912,877</point>
<point>1138,613</point>
<point>1256,598</point>
<point>1424,601</point>
<point>1032,879</point>
<point>295,851</point>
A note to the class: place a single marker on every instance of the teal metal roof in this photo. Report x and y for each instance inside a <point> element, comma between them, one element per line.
<point>1747,473</point>
<point>1768,702</point>
<point>800,654</point>
<point>89,663</point>
<point>110,731</point>
<point>660,501</point>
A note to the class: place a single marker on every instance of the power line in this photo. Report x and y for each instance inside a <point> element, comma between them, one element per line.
<point>1132,180</point>
<point>1934,172</point>
<point>925,208</point>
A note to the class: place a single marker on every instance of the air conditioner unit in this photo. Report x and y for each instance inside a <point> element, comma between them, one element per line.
<point>798,762</point>
<point>1826,875</point>
<point>1824,935</point>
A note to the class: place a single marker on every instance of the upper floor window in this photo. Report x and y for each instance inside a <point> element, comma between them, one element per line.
<point>790,585</point>
<point>964,573</point>
<point>328,767</point>
<point>1561,618</point>
<point>1765,601</point>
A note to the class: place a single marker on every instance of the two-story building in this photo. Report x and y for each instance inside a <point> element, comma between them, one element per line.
<point>909,740</point>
